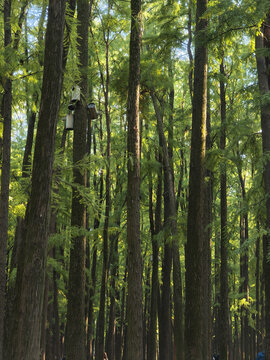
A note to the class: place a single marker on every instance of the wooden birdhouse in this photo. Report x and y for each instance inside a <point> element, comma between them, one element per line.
<point>92,111</point>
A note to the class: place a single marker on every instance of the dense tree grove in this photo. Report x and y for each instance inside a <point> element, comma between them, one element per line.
<point>135,179</point>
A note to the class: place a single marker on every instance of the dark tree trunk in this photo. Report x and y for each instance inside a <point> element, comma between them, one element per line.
<point>5,172</point>
<point>114,261</point>
<point>30,280</point>
<point>75,338</point>
<point>170,222</point>
<point>98,186</point>
<point>101,315</point>
<point>195,231</point>
<point>216,294</point>
<point>28,145</point>
<point>50,339</point>
<point>244,290</point>
<point>263,41</point>
<point>258,293</point>
<point>207,319</point>
<point>134,301</point>
<point>224,304</point>
<point>155,229</point>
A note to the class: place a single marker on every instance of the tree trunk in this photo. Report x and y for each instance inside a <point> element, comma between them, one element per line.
<point>30,280</point>
<point>224,305</point>
<point>263,41</point>
<point>75,338</point>
<point>207,319</point>
<point>155,229</point>
<point>195,231</point>
<point>134,301</point>
<point>5,172</point>
<point>101,315</point>
<point>258,293</point>
<point>172,249</point>
<point>99,193</point>
<point>245,341</point>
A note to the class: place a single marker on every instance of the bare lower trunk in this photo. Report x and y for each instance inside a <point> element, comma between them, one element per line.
<point>195,231</point>
<point>134,301</point>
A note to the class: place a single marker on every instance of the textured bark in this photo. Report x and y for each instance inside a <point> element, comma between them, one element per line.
<point>263,41</point>
<point>134,301</point>
<point>172,249</point>
<point>244,290</point>
<point>30,280</point>
<point>98,186</point>
<point>75,338</point>
<point>258,293</point>
<point>155,229</point>
<point>5,172</point>
<point>207,288</point>
<point>224,303</point>
<point>101,315</point>
<point>195,231</point>
<point>114,261</point>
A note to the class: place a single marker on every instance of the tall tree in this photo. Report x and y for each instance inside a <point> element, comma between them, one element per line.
<point>263,42</point>
<point>75,338</point>
<point>4,199</point>
<point>224,309</point>
<point>134,301</point>
<point>6,113</point>
<point>105,86</point>
<point>30,279</point>
<point>170,221</point>
<point>195,231</point>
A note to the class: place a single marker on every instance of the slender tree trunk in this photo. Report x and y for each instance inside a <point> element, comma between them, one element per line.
<point>245,341</point>
<point>263,41</point>
<point>195,231</point>
<point>101,316</point>
<point>224,305</point>
<point>5,172</point>
<point>30,280</point>
<point>75,338</point>
<point>171,229</point>
<point>258,293</point>
<point>134,301</point>
<point>98,186</point>
<point>111,342</point>
<point>155,229</point>
<point>207,319</point>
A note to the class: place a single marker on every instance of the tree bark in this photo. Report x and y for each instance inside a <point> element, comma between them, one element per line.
<point>263,41</point>
<point>155,229</point>
<point>75,338</point>
<point>195,231</point>
<point>101,315</point>
<point>224,304</point>
<point>6,112</point>
<point>134,301</point>
<point>172,249</point>
<point>30,280</point>
<point>207,286</point>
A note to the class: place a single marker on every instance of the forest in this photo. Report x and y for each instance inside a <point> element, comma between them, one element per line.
<point>135,179</point>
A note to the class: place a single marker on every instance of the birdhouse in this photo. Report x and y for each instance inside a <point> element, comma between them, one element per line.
<point>75,97</point>
<point>92,111</point>
<point>69,121</point>
<point>75,93</point>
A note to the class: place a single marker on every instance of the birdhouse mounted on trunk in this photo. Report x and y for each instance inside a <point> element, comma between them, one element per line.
<point>75,93</point>
<point>92,111</point>
<point>75,97</point>
<point>69,121</point>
